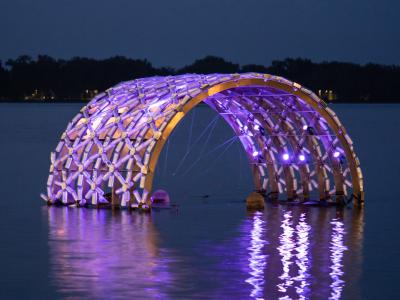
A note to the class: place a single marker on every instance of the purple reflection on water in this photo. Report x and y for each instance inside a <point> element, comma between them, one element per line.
<point>337,249</point>
<point>281,253</point>
<point>97,254</point>
<point>257,260</point>
<point>303,257</point>
<point>286,248</point>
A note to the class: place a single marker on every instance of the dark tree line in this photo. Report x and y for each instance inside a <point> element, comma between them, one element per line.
<point>69,79</point>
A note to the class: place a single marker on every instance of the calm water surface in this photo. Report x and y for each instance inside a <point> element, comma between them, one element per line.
<point>210,247</point>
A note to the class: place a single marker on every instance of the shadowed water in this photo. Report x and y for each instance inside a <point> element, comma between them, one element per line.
<point>209,246</point>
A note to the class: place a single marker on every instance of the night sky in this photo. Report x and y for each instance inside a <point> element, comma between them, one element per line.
<point>176,32</point>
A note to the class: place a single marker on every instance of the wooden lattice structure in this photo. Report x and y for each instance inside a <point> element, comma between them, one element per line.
<point>296,146</point>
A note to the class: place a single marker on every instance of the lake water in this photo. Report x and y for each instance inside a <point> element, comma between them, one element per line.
<point>210,247</point>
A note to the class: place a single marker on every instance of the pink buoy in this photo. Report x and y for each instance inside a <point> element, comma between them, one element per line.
<point>160,197</point>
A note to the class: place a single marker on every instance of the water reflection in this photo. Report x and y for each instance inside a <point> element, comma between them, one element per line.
<point>101,254</point>
<point>337,248</point>
<point>281,253</point>
<point>286,249</point>
<point>303,260</point>
<point>305,252</point>
<point>257,260</point>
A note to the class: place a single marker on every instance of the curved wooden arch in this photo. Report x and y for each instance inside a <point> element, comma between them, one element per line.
<point>123,131</point>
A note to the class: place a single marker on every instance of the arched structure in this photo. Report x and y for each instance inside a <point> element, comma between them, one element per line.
<point>296,146</point>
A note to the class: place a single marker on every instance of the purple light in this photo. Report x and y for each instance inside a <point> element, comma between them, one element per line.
<point>256,127</point>
<point>302,157</point>
<point>336,154</point>
<point>305,127</point>
<point>285,156</point>
<point>255,153</point>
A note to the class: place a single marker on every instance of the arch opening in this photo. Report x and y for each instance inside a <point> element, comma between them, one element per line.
<point>296,146</point>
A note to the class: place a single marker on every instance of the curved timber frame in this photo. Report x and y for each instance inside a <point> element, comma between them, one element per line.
<point>296,145</point>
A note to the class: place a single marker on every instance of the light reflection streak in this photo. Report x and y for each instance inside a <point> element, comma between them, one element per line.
<point>286,248</point>
<point>303,257</point>
<point>337,249</point>
<point>257,260</point>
